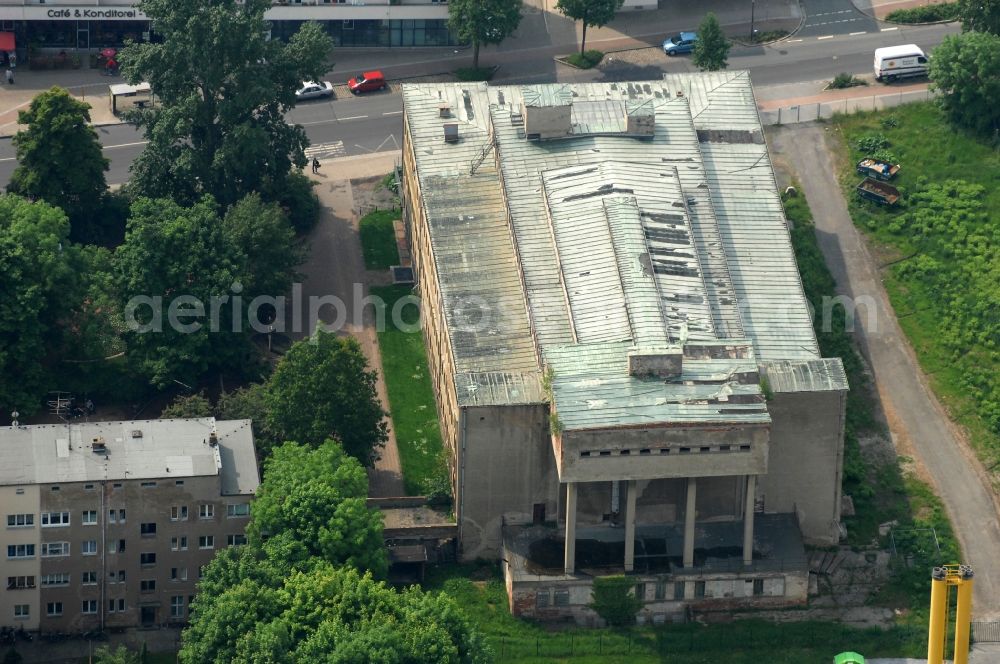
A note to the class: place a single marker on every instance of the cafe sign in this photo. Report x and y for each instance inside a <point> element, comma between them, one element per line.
<point>122,13</point>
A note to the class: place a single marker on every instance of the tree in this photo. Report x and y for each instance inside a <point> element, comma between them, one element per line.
<point>712,48</point>
<point>965,68</point>
<point>12,656</point>
<point>38,289</point>
<point>267,244</point>
<point>318,496</point>
<point>120,655</point>
<point>222,89</point>
<point>60,159</point>
<point>321,388</point>
<point>326,614</point>
<point>593,13</point>
<point>248,403</point>
<point>980,15</point>
<point>483,22</point>
<point>614,599</point>
<point>191,405</point>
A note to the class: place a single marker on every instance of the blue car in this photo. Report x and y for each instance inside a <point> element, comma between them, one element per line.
<point>682,43</point>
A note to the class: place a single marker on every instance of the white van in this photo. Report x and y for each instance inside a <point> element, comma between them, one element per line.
<point>893,62</point>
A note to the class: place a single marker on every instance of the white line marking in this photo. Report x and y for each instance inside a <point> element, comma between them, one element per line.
<point>354,117</point>
<point>794,40</point>
<point>888,29</point>
<point>855,34</point>
<point>124,145</point>
<point>826,37</point>
<point>392,113</point>
<point>8,159</point>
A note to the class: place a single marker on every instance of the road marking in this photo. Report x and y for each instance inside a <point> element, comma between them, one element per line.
<point>8,159</point>
<point>392,113</point>
<point>794,40</point>
<point>125,145</point>
<point>855,34</point>
<point>888,29</point>
<point>325,150</point>
<point>826,37</point>
<point>354,117</point>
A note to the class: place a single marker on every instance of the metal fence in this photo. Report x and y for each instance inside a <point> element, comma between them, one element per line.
<point>986,632</point>
<point>823,110</point>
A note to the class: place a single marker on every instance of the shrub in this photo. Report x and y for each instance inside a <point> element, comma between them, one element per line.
<point>614,599</point>
<point>870,143</point>
<point>585,60</point>
<point>845,80</point>
<point>889,122</point>
<point>299,202</point>
<point>945,11</point>
<point>475,73</point>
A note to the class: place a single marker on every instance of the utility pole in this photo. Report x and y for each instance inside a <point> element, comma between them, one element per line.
<point>753,7</point>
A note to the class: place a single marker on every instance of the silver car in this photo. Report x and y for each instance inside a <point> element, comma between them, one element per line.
<point>314,90</point>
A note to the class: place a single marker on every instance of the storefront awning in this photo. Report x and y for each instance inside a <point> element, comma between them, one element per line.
<point>6,41</point>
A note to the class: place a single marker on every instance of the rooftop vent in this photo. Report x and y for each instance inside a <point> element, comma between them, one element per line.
<point>99,447</point>
<point>137,433</point>
<point>656,362</point>
<point>444,110</point>
<point>213,439</point>
<point>552,121</point>
<point>451,133</point>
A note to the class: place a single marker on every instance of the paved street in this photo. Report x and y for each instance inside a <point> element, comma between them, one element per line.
<point>834,17</point>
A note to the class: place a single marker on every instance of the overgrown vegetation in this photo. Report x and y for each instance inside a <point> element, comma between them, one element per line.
<point>614,600</point>
<point>475,73</point>
<point>586,60</point>
<point>411,397</point>
<point>845,80</point>
<point>765,37</point>
<point>378,239</point>
<point>944,11</point>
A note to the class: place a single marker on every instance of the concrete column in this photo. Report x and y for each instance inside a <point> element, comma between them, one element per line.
<point>748,520</point>
<point>690,508</point>
<point>630,526</point>
<point>570,560</point>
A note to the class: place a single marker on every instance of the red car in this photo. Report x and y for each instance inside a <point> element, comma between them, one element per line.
<point>367,82</point>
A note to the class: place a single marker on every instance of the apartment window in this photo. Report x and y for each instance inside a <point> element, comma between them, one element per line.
<point>238,510</point>
<point>699,588</point>
<point>54,488</point>
<point>56,579</point>
<point>89,517</point>
<point>116,577</point>
<point>206,511</point>
<point>89,606</point>
<point>20,520</point>
<point>661,590</point>
<point>20,550</point>
<point>89,548</point>
<point>147,529</point>
<point>640,591</point>
<point>52,549</point>
<point>148,485</point>
<point>116,516</point>
<point>177,606</point>
<point>116,605</point>
<point>179,513</point>
<point>121,546</point>
<point>22,611</point>
<point>147,586</point>
<point>236,540</point>
<point>179,543</point>
<point>178,482</point>
<point>20,582</point>
<point>147,558</point>
<point>53,609</point>
<point>55,519</point>
<point>178,574</point>
<point>88,487</point>
<point>206,541</point>
<point>87,578</point>
<point>117,485</point>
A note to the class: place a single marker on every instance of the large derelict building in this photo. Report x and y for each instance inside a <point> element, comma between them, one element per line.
<point>624,360</point>
<point>107,524</point>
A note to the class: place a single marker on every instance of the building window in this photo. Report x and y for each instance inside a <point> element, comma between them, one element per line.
<point>88,487</point>
<point>121,546</point>
<point>89,548</point>
<point>55,519</point>
<point>177,606</point>
<point>640,592</point>
<point>89,518</point>
<point>20,520</point>
<point>116,485</point>
<point>179,543</point>
<point>116,605</point>
<point>678,590</point>
<point>206,511</point>
<point>178,482</point>
<point>22,611</point>
<point>20,582</point>
<point>116,577</point>
<point>116,516</point>
<point>661,590</point>
<point>52,549</point>
<point>699,588</point>
<point>542,599</point>
<point>147,529</point>
<point>179,513</point>
<point>147,586</point>
<point>89,606</point>
<point>178,574</point>
<point>758,587</point>
<point>20,550</point>
<point>238,510</point>
<point>87,579</point>
<point>148,485</point>
<point>236,540</point>
<point>56,579</point>
<point>206,541</point>
<point>54,488</point>
<point>53,609</point>
<point>147,558</point>
<point>560,597</point>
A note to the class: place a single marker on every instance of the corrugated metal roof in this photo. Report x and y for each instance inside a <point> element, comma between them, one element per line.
<point>806,375</point>
<point>499,388</point>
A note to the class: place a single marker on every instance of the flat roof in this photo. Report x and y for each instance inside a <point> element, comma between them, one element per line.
<point>136,449</point>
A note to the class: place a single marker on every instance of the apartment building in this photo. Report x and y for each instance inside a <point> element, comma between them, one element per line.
<point>107,524</point>
<point>624,361</point>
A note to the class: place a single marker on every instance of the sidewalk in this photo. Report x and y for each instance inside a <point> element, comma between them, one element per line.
<point>879,9</point>
<point>88,85</point>
<point>820,104</point>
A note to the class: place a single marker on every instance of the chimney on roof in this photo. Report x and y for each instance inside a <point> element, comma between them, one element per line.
<point>451,132</point>
<point>656,362</point>
<point>213,439</point>
<point>444,110</point>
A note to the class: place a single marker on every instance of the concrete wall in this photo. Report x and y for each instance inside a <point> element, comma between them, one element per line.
<point>660,501</point>
<point>507,469</point>
<point>806,461</point>
<point>19,500</point>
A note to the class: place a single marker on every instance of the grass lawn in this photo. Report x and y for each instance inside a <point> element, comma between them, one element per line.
<point>411,397</point>
<point>586,60</point>
<point>479,590</point>
<point>945,267</point>
<point>378,239</point>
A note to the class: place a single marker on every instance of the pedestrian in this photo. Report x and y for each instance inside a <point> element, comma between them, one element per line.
<point>10,76</point>
<point>315,165</point>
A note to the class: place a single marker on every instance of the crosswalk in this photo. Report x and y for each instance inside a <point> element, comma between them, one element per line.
<point>326,150</point>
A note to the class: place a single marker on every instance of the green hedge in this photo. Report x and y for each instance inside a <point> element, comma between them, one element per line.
<point>945,11</point>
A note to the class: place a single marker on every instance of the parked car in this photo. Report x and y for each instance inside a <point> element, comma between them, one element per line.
<point>680,43</point>
<point>314,90</point>
<point>894,62</point>
<point>367,82</point>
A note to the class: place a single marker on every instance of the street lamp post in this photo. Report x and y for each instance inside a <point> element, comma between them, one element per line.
<point>753,7</point>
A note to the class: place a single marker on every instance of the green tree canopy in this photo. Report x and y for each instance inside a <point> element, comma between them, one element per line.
<point>980,15</point>
<point>321,388</point>
<point>483,22</point>
<point>711,51</point>
<point>248,403</point>
<point>325,614</point>
<point>39,286</point>
<point>120,655</point>
<point>318,496</point>
<point>965,68</point>
<point>267,243</point>
<point>222,89</point>
<point>60,159</point>
<point>188,405</point>
<point>593,13</point>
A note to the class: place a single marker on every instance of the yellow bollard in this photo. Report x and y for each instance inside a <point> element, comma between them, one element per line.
<point>939,614</point>
<point>963,615</point>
